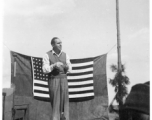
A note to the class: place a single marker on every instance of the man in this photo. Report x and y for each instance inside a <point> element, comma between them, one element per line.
<point>56,63</point>
<point>137,104</point>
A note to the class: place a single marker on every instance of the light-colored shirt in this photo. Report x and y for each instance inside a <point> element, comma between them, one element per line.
<point>47,67</point>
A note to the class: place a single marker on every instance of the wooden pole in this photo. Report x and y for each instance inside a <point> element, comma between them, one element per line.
<point>119,58</point>
<point>118,36</point>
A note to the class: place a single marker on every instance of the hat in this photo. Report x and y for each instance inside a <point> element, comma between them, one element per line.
<point>138,99</point>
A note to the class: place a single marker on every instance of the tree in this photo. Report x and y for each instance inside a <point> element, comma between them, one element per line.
<point>119,81</point>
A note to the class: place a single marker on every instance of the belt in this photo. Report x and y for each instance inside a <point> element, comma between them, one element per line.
<point>61,72</point>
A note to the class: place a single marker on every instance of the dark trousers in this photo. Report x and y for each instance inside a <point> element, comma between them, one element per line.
<point>58,89</point>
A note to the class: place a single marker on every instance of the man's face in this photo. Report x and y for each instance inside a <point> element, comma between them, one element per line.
<point>57,44</point>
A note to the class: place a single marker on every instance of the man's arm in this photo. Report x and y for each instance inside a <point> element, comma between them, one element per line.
<point>68,64</point>
<point>46,67</point>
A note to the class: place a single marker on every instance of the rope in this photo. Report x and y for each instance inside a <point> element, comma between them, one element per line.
<point>107,52</point>
<point>6,47</point>
<point>111,48</point>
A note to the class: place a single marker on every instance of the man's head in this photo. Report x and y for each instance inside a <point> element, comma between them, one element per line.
<point>56,44</point>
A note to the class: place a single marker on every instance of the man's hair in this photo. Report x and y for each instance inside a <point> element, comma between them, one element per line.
<point>53,40</point>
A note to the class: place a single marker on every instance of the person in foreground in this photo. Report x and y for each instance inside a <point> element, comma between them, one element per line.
<point>56,64</point>
<point>137,104</point>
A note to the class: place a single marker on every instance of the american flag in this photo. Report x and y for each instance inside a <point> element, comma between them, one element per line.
<point>80,80</point>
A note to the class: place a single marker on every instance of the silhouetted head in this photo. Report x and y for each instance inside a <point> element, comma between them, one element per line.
<point>137,104</point>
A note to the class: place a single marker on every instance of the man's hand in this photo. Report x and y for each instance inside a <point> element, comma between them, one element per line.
<point>58,64</point>
<point>66,68</point>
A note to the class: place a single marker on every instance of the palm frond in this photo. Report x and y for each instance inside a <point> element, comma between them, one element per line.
<point>114,68</point>
<point>123,68</point>
<point>125,80</point>
<point>119,81</point>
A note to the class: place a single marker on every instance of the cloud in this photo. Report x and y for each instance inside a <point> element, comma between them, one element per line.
<point>37,7</point>
<point>137,38</point>
<point>142,33</point>
<point>137,45</point>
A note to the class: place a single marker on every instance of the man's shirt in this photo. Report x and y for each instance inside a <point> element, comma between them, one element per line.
<point>47,67</point>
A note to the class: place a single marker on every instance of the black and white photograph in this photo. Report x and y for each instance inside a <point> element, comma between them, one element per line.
<point>75,59</point>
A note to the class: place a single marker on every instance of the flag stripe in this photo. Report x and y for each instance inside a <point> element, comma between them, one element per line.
<point>81,99</point>
<point>82,67</point>
<point>40,91</point>
<point>84,60</point>
<point>82,70</point>
<point>81,92</point>
<point>80,83</point>
<point>41,82</point>
<point>80,80</point>
<point>82,64</point>
<point>42,95</point>
<point>82,73</point>
<point>40,88</point>
<point>81,89</point>
<point>80,77</point>
<point>81,95</point>
<point>40,85</point>
<point>80,86</point>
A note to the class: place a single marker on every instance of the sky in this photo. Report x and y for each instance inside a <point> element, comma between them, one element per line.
<point>87,28</point>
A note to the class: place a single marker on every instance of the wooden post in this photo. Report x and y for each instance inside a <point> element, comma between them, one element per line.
<point>4,94</point>
<point>15,65</point>
<point>13,110</point>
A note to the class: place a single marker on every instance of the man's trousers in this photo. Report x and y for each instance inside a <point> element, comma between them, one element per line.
<point>58,90</point>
